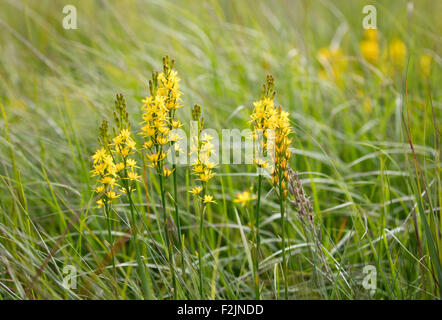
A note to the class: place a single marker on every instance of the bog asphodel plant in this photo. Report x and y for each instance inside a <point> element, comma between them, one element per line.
<point>280,174</point>
<point>159,123</point>
<point>263,121</point>
<point>116,167</point>
<point>202,150</point>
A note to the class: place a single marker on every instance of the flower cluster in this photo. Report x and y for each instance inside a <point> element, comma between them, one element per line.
<point>262,119</point>
<point>168,85</point>
<point>158,117</point>
<point>124,146</point>
<point>105,169</point>
<point>203,149</point>
<point>113,160</point>
<point>282,151</point>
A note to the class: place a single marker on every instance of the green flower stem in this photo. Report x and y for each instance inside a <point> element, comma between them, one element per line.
<point>200,242</point>
<point>111,241</point>
<point>177,216</point>
<point>166,233</point>
<point>257,239</point>
<point>284,263</point>
<point>140,263</point>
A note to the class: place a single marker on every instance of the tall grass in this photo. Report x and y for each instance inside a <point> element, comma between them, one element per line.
<point>366,149</point>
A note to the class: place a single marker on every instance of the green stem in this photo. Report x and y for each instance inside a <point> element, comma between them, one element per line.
<point>111,241</point>
<point>200,244</point>
<point>166,234</point>
<point>141,270</point>
<point>284,263</point>
<point>257,238</point>
<point>177,216</point>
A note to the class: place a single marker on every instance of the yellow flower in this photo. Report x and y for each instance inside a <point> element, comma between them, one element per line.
<point>156,157</point>
<point>148,144</point>
<point>167,172</point>
<point>397,51</point>
<point>119,166</point>
<point>176,124</point>
<point>108,180</point>
<point>112,195</point>
<point>100,203</point>
<point>131,163</point>
<point>196,190</point>
<point>133,176</point>
<point>371,34</point>
<point>206,175</point>
<point>263,118</point>
<point>162,140</point>
<point>208,199</point>
<point>243,197</point>
<point>370,50</point>
<point>99,155</point>
<point>99,189</point>
<point>260,163</point>
<point>282,151</point>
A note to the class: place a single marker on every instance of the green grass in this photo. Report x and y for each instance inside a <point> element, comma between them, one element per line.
<point>367,149</point>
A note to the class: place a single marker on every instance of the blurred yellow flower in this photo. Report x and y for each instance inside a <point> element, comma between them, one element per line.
<point>397,51</point>
<point>333,64</point>
<point>370,46</point>
<point>208,199</point>
<point>243,197</point>
<point>196,190</point>
<point>167,172</point>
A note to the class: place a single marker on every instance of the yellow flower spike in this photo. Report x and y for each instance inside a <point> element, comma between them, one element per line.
<point>282,152</point>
